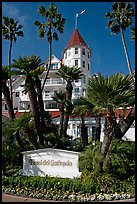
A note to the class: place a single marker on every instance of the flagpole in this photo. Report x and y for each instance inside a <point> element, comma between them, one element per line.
<point>76,21</point>
<point>76,18</point>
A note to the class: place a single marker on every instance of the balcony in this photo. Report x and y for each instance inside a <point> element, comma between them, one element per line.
<point>54,81</point>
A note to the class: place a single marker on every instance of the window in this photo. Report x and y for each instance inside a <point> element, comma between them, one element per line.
<point>54,66</point>
<point>76,90</point>
<point>69,53</point>
<point>88,66</point>
<point>17,94</point>
<point>77,80</point>
<point>46,93</point>
<point>66,54</point>
<point>84,79</point>
<point>6,107</point>
<point>83,51</point>
<point>54,105</point>
<point>88,55</point>
<point>76,63</point>
<point>83,64</point>
<point>76,50</point>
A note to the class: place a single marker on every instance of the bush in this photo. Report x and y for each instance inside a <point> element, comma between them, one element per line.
<point>89,184</point>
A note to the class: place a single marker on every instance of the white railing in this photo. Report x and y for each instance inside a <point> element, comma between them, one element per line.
<point>54,81</point>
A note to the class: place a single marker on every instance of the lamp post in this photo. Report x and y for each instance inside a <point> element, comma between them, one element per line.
<point>76,19</point>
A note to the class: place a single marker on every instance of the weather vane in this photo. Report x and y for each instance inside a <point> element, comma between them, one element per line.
<point>77,15</point>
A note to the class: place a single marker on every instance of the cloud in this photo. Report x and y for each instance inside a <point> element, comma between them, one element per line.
<point>11,11</point>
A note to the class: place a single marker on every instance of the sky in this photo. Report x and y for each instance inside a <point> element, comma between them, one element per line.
<point>108,56</point>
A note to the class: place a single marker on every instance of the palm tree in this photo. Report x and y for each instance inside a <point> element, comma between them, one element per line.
<point>69,74</point>
<point>107,94</point>
<point>26,65</point>
<point>11,30</point>
<point>54,24</point>
<point>6,74</point>
<point>35,74</point>
<point>120,19</point>
<point>60,99</point>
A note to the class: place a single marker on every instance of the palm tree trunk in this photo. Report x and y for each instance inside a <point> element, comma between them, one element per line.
<point>40,102</point>
<point>60,130</point>
<point>84,133</point>
<point>35,110</point>
<point>50,54</point>
<point>69,89</point>
<point>98,128</point>
<point>110,127</point>
<point>10,49</point>
<point>126,52</point>
<point>6,92</point>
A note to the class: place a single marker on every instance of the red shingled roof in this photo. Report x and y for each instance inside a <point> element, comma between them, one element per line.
<point>76,39</point>
<point>56,114</point>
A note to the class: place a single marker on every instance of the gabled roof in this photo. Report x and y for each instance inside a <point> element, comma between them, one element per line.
<point>76,39</point>
<point>52,57</point>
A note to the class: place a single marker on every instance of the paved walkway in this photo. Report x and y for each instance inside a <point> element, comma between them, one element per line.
<point>13,198</point>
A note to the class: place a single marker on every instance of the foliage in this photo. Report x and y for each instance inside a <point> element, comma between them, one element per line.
<point>11,29</point>
<point>110,92</point>
<point>77,145</point>
<point>120,160</point>
<point>48,187</point>
<point>88,157</point>
<point>122,157</point>
<point>11,156</point>
<point>120,17</point>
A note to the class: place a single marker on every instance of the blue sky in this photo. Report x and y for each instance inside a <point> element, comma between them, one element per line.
<point>107,50</point>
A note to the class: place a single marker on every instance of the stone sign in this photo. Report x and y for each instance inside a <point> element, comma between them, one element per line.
<point>51,162</point>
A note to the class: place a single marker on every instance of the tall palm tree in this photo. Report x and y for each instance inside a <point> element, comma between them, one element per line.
<point>54,24</point>
<point>69,74</point>
<point>60,99</point>
<point>120,19</point>
<point>10,31</point>
<point>6,74</point>
<point>107,94</point>
<point>26,65</point>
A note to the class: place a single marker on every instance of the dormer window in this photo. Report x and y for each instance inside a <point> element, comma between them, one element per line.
<point>83,51</point>
<point>76,50</point>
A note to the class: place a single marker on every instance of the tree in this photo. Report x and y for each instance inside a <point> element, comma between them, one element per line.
<point>35,74</point>
<point>26,65</point>
<point>6,74</point>
<point>10,31</point>
<point>107,94</point>
<point>60,99</point>
<point>81,107</point>
<point>69,74</point>
<point>120,19</point>
<point>54,24</point>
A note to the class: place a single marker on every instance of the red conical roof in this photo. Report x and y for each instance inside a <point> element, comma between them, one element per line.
<point>76,39</point>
